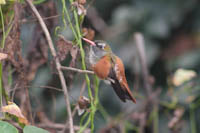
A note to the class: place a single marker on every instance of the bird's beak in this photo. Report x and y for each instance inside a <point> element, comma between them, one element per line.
<point>89,41</point>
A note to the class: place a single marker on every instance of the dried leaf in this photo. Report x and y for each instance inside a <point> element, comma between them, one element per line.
<point>13,49</point>
<point>80,8</point>
<point>83,103</point>
<point>63,46</point>
<point>70,74</point>
<point>88,33</point>
<point>183,75</point>
<point>3,56</point>
<point>13,109</point>
<point>73,52</point>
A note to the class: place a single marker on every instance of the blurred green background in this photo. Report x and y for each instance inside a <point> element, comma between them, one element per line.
<point>171,31</point>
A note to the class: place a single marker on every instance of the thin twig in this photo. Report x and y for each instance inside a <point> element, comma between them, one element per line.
<point>13,94</point>
<point>44,18</point>
<point>47,87</point>
<point>46,123</point>
<point>141,51</point>
<point>29,86</point>
<point>83,71</point>
<point>77,70</point>
<point>58,65</point>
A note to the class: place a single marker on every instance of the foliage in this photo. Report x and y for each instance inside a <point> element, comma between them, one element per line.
<point>5,127</point>
<point>32,129</point>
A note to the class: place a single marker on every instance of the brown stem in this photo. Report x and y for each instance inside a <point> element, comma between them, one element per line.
<point>77,70</point>
<point>58,65</point>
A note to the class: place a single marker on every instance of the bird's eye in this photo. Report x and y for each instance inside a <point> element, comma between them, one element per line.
<point>101,45</point>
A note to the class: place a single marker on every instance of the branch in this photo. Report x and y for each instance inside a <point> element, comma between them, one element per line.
<point>44,18</point>
<point>77,70</point>
<point>83,71</point>
<point>138,37</point>
<point>46,87</point>
<point>59,126</point>
<point>58,65</point>
<point>46,123</point>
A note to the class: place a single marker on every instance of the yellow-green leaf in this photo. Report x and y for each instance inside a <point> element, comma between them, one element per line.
<point>5,127</point>
<point>2,2</point>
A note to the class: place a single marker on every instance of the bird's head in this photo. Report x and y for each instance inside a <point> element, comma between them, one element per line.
<point>102,46</point>
<point>99,45</point>
<point>98,49</point>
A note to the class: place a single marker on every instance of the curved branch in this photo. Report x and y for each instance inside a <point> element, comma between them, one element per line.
<point>58,65</point>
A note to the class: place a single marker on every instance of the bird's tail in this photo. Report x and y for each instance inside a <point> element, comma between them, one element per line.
<point>122,93</point>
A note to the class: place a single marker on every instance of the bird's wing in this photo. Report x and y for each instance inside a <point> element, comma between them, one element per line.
<point>116,85</point>
<point>120,85</point>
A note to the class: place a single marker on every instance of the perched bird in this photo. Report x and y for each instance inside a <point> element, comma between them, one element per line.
<point>108,66</point>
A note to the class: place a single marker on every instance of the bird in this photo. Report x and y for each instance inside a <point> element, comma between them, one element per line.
<point>107,66</point>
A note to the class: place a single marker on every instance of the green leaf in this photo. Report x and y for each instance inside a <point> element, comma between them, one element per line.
<point>5,127</point>
<point>32,129</point>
